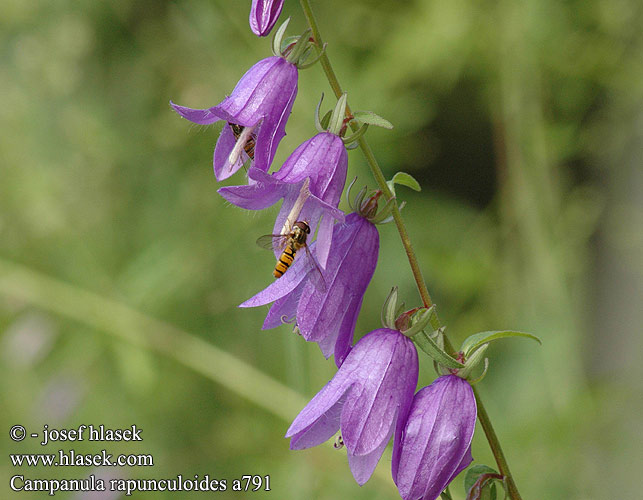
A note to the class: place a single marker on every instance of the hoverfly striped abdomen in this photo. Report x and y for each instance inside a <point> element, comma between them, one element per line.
<point>289,244</point>
<point>296,240</point>
<point>285,260</point>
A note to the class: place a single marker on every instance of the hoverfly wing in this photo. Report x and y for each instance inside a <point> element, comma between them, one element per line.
<point>275,242</point>
<point>316,275</point>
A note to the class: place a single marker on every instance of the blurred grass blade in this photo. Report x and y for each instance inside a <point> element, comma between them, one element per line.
<point>129,325</point>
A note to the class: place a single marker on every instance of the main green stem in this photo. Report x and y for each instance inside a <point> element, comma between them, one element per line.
<point>483,417</point>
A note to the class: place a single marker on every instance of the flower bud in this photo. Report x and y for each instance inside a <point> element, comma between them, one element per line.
<point>264,15</point>
<point>436,442</point>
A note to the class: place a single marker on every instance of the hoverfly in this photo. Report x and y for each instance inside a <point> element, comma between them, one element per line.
<point>249,147</point>
<point>289,244</point>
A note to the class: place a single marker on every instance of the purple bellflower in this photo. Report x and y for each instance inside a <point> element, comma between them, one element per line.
<point>258,108</point>
<point>323,161</point>
<point>327,315</point>
<point>264,15</point>
<point>436,442</point>
<point>367,399</point>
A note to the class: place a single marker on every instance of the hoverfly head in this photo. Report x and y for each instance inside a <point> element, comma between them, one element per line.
<point>303,225</point>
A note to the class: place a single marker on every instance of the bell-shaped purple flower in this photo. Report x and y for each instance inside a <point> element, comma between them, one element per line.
<point>256,113</point>
<point>327,315</point>
<point>436,443</point>
<point>264,15</point>
<point>323,161</point>
<point>367,400</point>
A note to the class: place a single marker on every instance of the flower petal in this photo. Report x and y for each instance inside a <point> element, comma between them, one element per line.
<point>325,400</point>
<point>320,430</point>
<point>324,160</point>
<point>466,460</point>
<point>263,193</point>
<point>256,90</point>
<point>222,167</point>
<point>362,466</point>
<point>200,116</point>
<point>274,131</point>
<point>280,287</point>
<point>345,337</point>
<point>324,238</point>
<point>353,256</point>
<point>382,387</point>
<point>283,308</point>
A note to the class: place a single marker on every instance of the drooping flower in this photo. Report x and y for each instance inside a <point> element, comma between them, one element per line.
<point>322,160</point>
<point>436,443</point>
<point>327,315</point>
<point>256,111</point>
<point>264,15</point>
<point>367,400</point>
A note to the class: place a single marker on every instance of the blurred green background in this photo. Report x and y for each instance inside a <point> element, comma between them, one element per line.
<point>121,268</point>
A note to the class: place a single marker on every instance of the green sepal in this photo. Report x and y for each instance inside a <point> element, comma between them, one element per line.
<point>389,309</point>
<point>384,213</point>
<point>478,339</point>
<point>308,63</point>
<point>446,495</point>
<point>473,381</point>
<point>337,117</point>
<point>296,53</point>
<point>390,218</point>
<point>484,491</point>
<point>326,119</point>
<point>473,361</point>
<point>400,309</point>
<point>372,119</point>
<point>318,122</point>
<point>428,345</point>
<point>419,321</point>
<point>403,179</point>
<point>355,135</point>
<point>356,204</point>
<point>278,38</point>
<point>288,41</point>
<point>438,335</point>
<point>348,193</point>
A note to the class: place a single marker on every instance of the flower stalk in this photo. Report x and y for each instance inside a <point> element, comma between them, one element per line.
<point>483,417</point>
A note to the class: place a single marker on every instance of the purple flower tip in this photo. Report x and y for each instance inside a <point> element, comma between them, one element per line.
<point>264,15</point>
<point>366,400</point>
<point>435,445</point>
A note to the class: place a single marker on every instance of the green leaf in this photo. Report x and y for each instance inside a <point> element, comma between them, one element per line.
<point>372,119</point>
<point>478,339</point>
<point>407,180</point>
<point>427,344</point>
